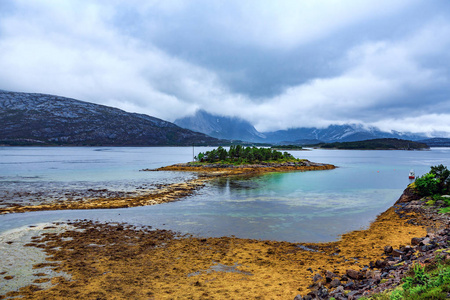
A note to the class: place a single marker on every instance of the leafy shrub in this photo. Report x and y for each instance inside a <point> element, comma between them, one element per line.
<point>443,176</point>
<point>427,184</point>
<point>437,181</point>
<point>445,210</point>
<point>419,278</point>
<point>238,154</point>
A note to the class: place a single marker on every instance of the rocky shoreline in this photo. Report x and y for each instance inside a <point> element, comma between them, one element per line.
<point>387,272</point>
<point>263,167</point>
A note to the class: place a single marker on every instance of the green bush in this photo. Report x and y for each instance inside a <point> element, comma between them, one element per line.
<point>443,176</point>
<point>239,155</point>
<point>427,185</point>
<point>437,181</point>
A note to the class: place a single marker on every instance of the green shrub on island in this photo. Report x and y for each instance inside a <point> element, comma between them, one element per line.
<point>244,155</point>
<point>435,182</point>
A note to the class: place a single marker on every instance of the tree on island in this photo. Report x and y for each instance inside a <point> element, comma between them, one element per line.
<point>241,155</point>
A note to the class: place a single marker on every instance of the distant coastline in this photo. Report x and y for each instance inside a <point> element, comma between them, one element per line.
<point>375,144</point>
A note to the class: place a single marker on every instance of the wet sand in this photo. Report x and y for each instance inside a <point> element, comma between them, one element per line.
<point>164,193</point>
<point>117,261</point>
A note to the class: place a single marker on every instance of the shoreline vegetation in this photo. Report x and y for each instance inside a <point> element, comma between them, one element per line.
<point>121,261</point>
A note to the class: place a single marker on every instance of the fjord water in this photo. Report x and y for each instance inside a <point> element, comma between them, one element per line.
<point>295,206</point>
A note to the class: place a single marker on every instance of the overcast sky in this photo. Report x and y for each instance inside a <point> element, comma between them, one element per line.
<point>278,64</point>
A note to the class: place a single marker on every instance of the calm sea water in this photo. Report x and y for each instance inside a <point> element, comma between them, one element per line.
<point>296,206</point>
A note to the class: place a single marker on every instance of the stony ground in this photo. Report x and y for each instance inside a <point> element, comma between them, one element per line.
<point>387,272</point>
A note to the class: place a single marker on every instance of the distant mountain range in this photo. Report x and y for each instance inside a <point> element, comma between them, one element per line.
<point>239,129</point>
<point>39,119</point>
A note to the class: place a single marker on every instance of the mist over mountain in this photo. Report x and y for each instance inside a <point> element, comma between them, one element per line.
<point>221,127</point>
<point>40,119</point>
<point>239,129</point>
<point>335,133</point>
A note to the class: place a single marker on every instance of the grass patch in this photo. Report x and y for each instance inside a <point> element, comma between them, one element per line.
<point>424,282</point>
<point>445,210</point>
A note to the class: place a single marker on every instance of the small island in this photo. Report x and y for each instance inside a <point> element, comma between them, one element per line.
<point>375,144</point>
<point>239,160</point>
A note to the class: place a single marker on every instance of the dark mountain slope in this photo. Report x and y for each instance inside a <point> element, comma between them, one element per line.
<point>45,119</point>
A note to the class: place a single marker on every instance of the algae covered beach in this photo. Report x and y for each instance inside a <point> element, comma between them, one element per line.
<point>117,260</point>
<point>108,261</point>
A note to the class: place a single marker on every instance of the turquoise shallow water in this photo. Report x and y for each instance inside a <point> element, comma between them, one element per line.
<point>296,206</point>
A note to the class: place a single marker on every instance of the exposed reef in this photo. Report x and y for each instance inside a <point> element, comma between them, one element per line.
<point>163,194</point>
<point>247,169</point>
<point>168,192</point>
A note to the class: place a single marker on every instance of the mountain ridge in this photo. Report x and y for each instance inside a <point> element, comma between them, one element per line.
<point>32,118</point>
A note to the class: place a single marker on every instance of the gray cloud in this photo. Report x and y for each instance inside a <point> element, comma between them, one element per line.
<point>278,64</point>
